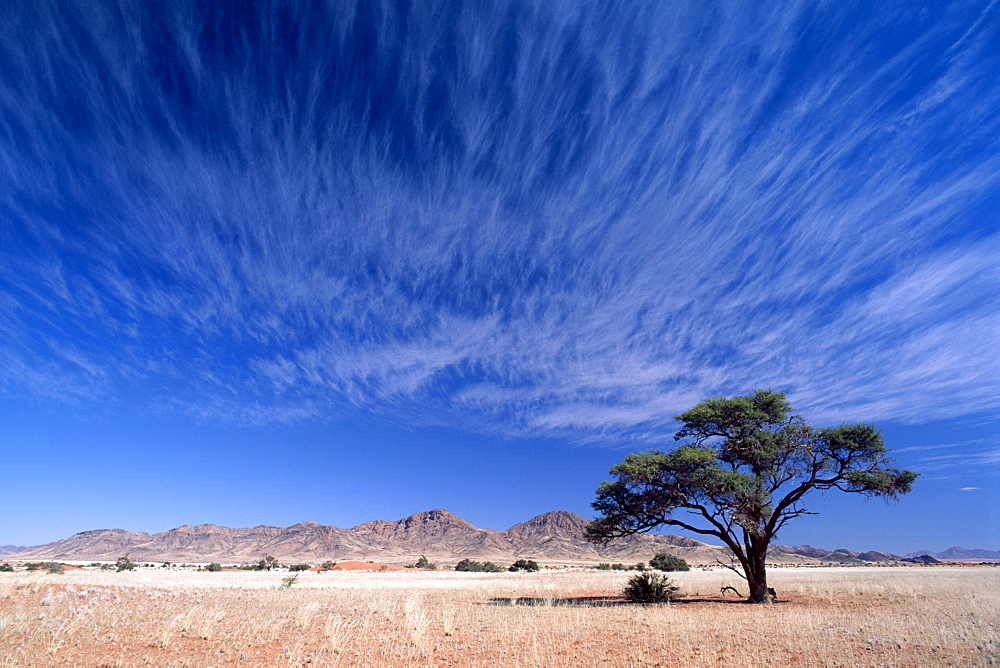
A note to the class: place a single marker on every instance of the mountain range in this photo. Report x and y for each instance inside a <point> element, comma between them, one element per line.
<point>437,534</point>
<point>12,549</point>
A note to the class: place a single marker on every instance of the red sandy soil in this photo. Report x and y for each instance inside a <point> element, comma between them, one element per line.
<point>365,566</point>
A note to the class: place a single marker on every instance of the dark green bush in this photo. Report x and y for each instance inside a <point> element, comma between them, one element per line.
<point>422,562</point>
<point>124,564</point>
<point>603,567</point>
<point>328,565</point>
<point>6,568</point>
<point>471,566</point>
<point>215,567</point>
<point>668,562</point>
<point>299,567</point>
<point>618,567</point>
<point>649,587</point>
<point>524,565</point>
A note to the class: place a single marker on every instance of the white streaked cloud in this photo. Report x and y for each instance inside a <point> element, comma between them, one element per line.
<point>581,227</point>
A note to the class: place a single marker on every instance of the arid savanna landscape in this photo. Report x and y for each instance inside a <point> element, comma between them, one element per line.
<point>942,615</point>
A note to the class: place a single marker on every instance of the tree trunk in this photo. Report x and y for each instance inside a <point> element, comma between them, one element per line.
<point>757,575</point>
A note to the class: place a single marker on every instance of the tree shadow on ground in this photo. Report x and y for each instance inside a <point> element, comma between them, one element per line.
<point>605,601</point>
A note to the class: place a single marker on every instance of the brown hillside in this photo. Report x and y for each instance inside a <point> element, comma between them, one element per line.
<point>441,536</point>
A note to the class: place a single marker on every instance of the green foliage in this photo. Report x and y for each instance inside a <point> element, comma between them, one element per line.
<point>215,567</point>
<point>668,562</point>
<point>618,567</point>
<point>422,562</point>
<point>124,564</point>
<point>328,565</point>
<point>289,580</point>
<point>649,587</point>
<point>268,563</point>
<point>299,567</point>
<point>524,565</point>
<point>50,566</point>
<point>6,568</point>
<point>603,567</point>
<point>742,476</point>
<point>478,566</point>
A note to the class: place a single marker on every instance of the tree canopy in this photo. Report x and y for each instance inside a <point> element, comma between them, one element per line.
<point>742,475</point>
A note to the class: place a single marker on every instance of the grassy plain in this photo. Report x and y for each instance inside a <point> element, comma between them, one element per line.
<point>827,616</point>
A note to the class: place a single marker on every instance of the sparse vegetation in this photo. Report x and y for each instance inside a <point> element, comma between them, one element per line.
<point>524,565</point>
<point>650,587</point>
<point>299,567</point>
<point>6,568</point>
<point>471,566</point>
<point>124,564</point>
<point>837,615</point>
<point>214,567</point>
<point>668,562</point>
<point>289,580</point>
<point>329,565</point>
<point>423,562</point>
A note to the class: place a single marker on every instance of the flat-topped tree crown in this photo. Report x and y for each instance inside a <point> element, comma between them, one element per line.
<point>742,476</point>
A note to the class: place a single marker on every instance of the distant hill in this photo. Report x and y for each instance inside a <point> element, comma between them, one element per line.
<point>438,534</point>
<point>959,554</point>
<point>11,549</point>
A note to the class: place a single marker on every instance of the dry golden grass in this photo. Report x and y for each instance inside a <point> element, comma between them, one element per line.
<point>829,616</point>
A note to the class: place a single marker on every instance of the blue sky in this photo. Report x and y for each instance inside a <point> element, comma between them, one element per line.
<point>285,261</point>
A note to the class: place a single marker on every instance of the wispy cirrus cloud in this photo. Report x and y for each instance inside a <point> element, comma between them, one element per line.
<point>524,218</point>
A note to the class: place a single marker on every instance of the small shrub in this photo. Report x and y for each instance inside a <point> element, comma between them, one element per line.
<point>6,568</point>
<point>422,562</point>
<point>288,581</point>
<point>668,562</point>
<point>55,568</point>
<point>649,587</point>
<point>299,567</point>
<point>641,566</point>
<point>604,567</point>
<point>618,567</point>
<point>478,566</point>
<point>328,565</point>
<point>524,565</point>
<point>124,564</point>
<point>215,567</point>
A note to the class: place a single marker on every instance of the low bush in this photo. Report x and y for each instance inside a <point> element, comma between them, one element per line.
<point>299,567</point>
<point>524,565</point>
<point>649,587</point>
<point>422,562</point>
<point>668,562</point>
<point>328,565</point>
<point>6,568</point>
<point>471,566</point>
<point>215,567</point>
<point>124,564</point>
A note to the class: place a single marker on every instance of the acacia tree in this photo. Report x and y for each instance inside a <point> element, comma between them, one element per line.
<point>742,477</point>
